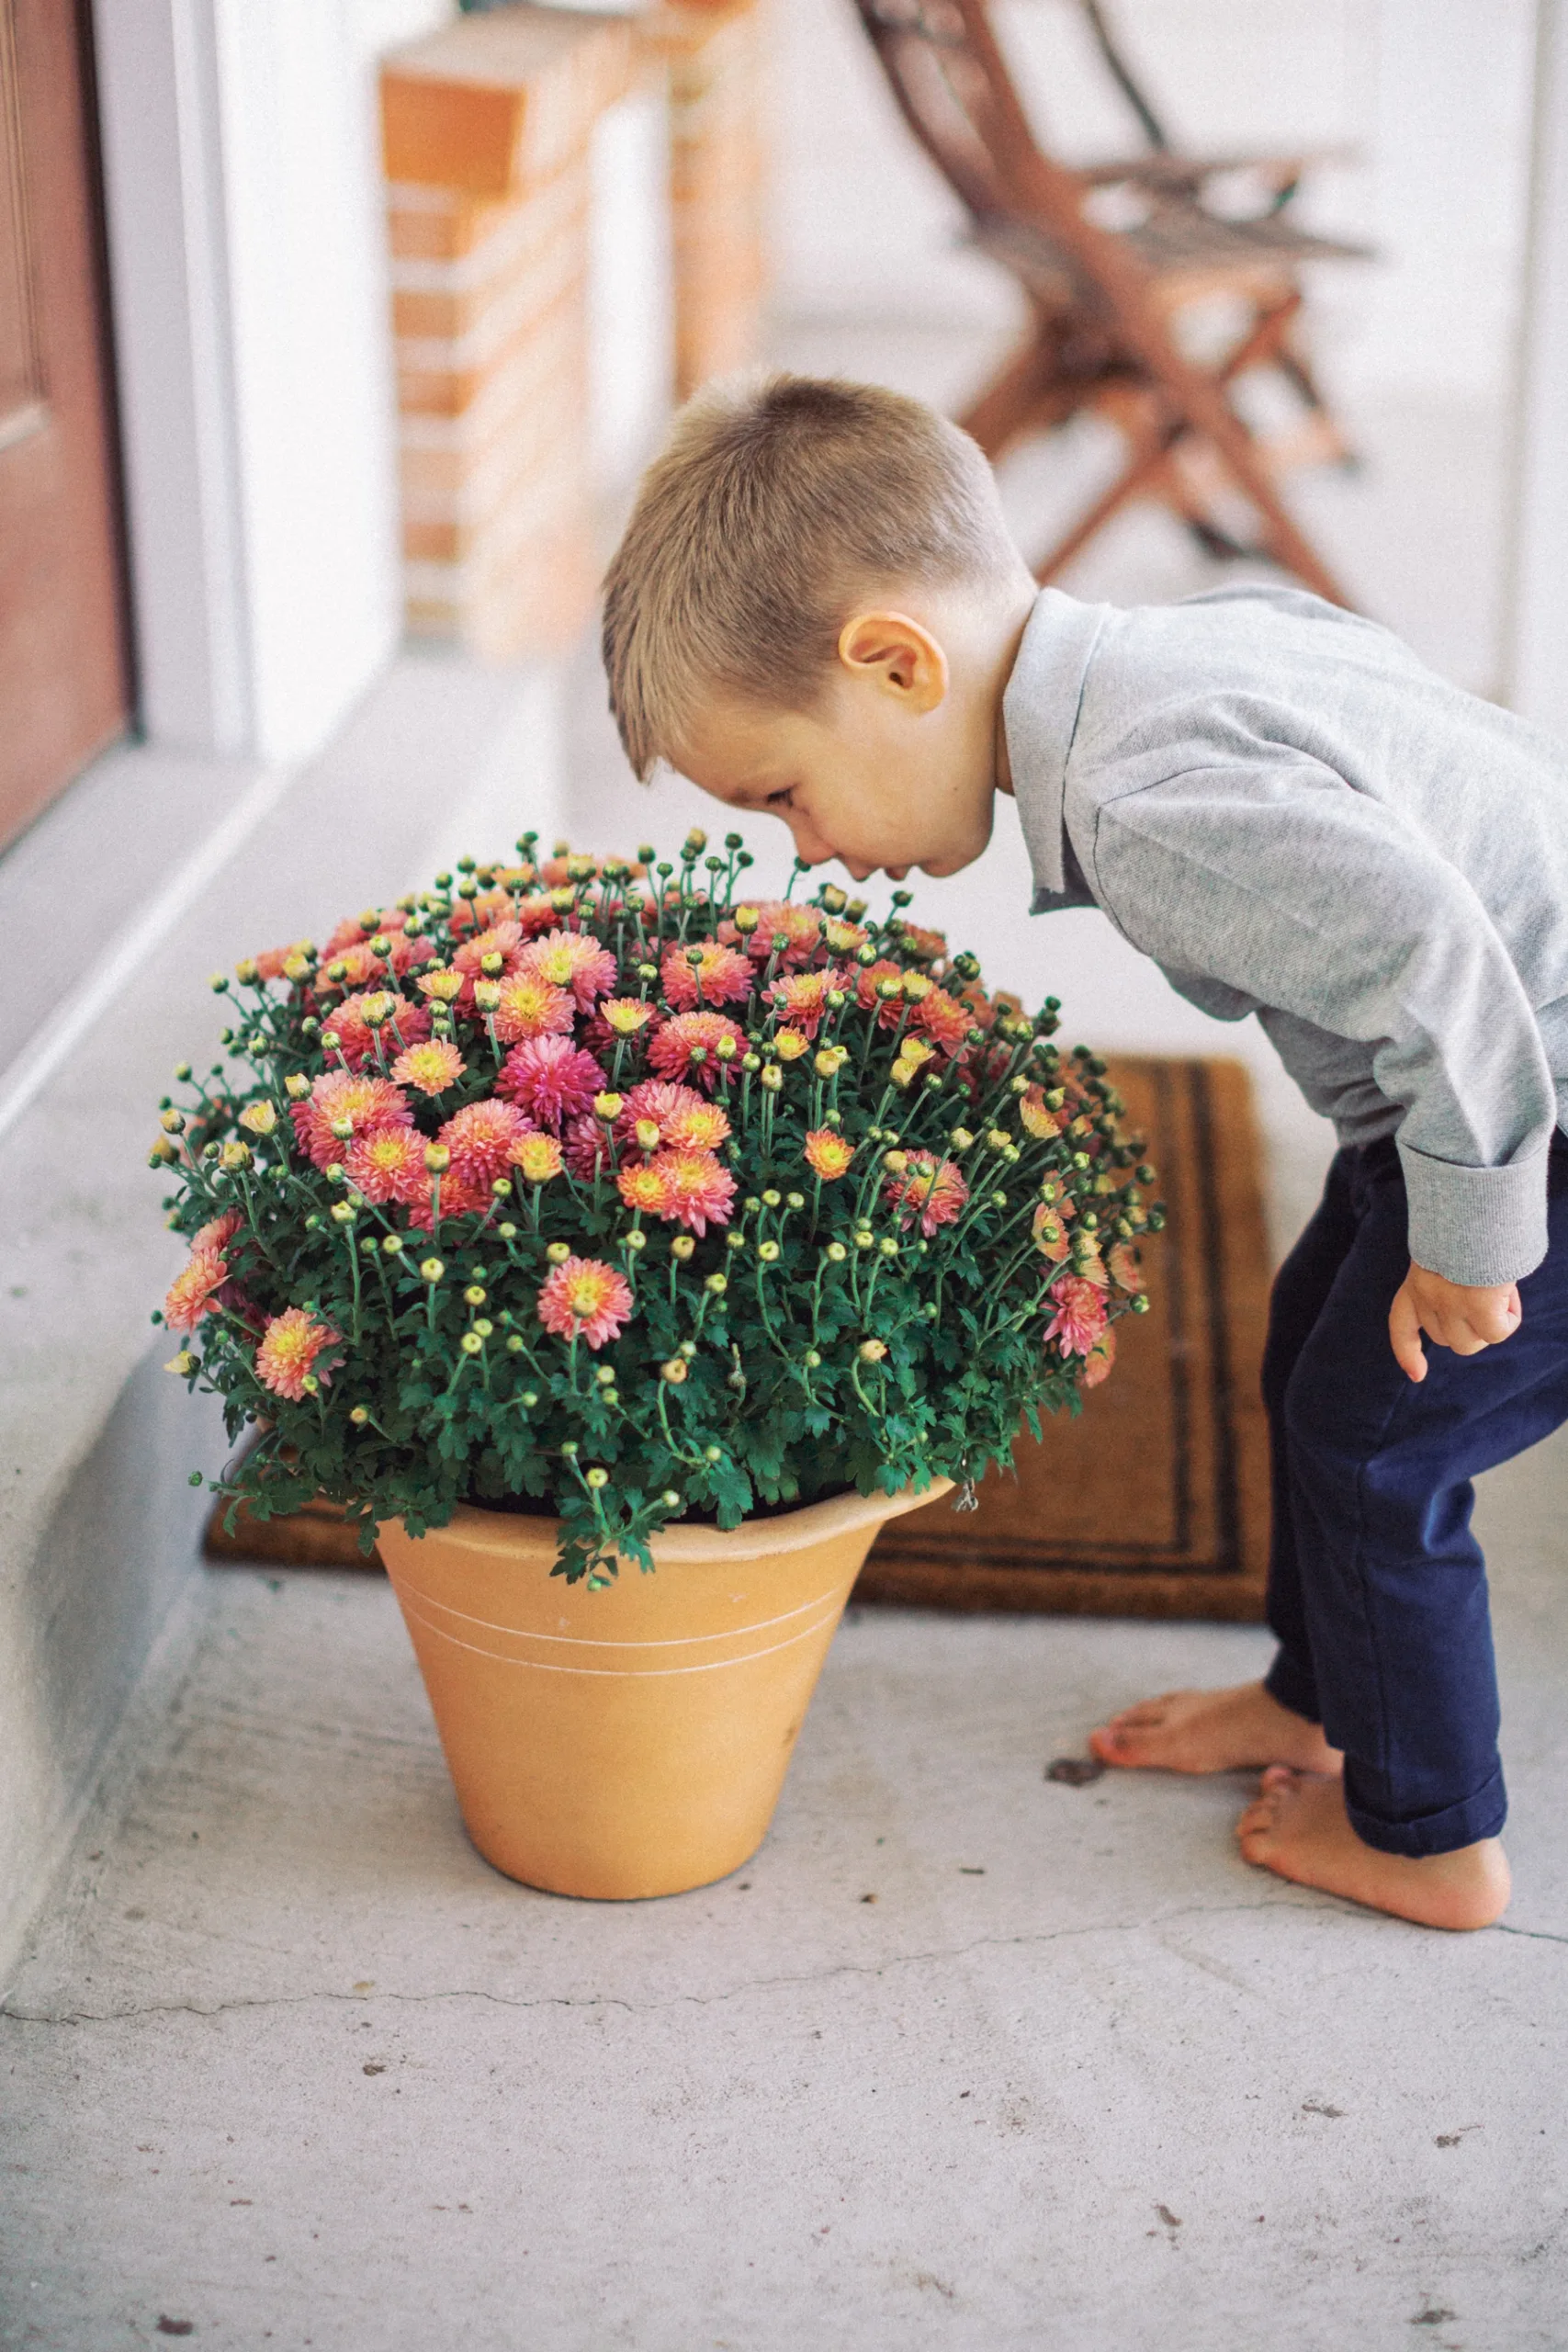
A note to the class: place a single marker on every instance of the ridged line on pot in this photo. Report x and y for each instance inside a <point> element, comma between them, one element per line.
<point>823,1609</point>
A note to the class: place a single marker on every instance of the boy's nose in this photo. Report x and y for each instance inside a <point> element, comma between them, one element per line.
<point>809,844</point>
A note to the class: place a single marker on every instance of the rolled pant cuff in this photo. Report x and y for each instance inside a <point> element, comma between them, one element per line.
<point>1475,1818</point>
<point>1293,1687</point>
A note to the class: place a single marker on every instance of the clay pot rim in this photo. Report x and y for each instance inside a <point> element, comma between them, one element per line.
<point>492,1532</point>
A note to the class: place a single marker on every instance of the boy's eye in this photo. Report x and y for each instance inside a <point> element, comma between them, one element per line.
<point>785,799</point>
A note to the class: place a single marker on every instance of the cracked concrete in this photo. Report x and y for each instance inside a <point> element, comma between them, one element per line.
<point>289,2064</point>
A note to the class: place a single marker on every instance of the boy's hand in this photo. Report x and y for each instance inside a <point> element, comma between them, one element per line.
<point>1454,1314</point>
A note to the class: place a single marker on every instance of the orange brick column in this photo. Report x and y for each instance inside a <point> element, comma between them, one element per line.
<point>486,129</point>
<point>716,62</point>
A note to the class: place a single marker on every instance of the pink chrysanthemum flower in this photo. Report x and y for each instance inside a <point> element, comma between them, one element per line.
<point>388,1164</point>
<point>793,931</point>
<point>658,1100</point>
<point>551,1079</point>
<point>1051,1233</point>
<point>270,962</point>
<point>343,1096</point>
<point>480,1137</point>
<point>696,1126</point>
<point>944,1020</point>
<point>719,977</point>
<point>925,946</point>
<point>194,1290</point>
<point>587,1147</point>
<point>890,1010</point>
<point>536,914</point>
<point>574,960</point>
<point>1079,1316</point>
<point>689,1035</point>
<point>349,968</point>
<point>457,1199</point>
<point>532,1007</point>
<point>642,1185</point>
<point>504,939</point>
<point>290,1345</point>
<point>538,1157</point>
<point>1126,1271</point>
<point>828,1153</point>
<point>405,1024</point>
<point>698,1191</point>
<point>430,1068</point>
<point>802,999</point>
<point>1101,1356</point>
<point>929,1189</point>
<point>625,1015</point>
<point>217,1234</point>
<point>1037,1116</point>
<point>584,1297</point>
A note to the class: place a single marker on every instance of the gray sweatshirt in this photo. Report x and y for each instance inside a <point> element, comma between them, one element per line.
<point>1279,803</point>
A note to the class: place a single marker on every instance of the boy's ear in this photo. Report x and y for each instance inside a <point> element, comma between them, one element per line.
<point>893,652</point>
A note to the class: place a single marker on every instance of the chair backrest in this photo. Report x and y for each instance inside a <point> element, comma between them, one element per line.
<point>953,89</point>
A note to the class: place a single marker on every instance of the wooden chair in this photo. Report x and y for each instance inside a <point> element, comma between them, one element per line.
<point>1110,258</point>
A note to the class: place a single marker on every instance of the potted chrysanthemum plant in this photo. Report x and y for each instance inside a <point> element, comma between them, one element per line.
<point>578,1212</point>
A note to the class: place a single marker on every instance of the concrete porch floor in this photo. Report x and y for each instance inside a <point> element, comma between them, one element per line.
<point>290,2064</point>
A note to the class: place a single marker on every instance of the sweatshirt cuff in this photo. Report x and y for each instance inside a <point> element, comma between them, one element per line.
<point>1479,1225</point>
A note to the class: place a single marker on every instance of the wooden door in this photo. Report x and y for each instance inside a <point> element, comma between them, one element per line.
<point>63,662</point>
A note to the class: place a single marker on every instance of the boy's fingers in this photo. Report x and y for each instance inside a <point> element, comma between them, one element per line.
<point>1405,1335</point>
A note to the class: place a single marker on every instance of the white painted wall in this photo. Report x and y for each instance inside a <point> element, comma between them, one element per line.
<point>247,264</point>
<point>631,346</point>
<point>1537,632</point>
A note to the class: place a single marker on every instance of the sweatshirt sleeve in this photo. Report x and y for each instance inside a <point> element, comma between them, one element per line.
<point>1279,881</point>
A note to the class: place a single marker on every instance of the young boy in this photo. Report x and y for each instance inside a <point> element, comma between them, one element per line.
<point>817,611</point>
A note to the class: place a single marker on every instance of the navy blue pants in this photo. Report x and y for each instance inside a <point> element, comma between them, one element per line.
<point>1377,1587</point>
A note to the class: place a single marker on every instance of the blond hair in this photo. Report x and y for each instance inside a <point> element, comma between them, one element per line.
<point>776,503</point>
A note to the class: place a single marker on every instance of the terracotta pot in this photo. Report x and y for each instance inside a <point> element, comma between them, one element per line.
<point>634,1741</point>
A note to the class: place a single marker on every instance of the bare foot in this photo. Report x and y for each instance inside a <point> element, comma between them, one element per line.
<point>1213,1731</point>
<point>1297,1827</point>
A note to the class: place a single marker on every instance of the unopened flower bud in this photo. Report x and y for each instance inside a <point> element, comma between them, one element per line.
<point>484,1326</point>
<point>173,1122</point>
<point>392,1245</point>
<point>378,1010</point>
<point>836,1252</point>
<point>768,1251</point>
<point>746,919</point>
<point>472,1343</point>
<point>773,1077</point>
<point>752,1062</point>
<point>474,1295</point>
<point>557,1253</point>
<point>717,1285</point>
<point>864,1240</point>
<point>673,1369</point>
<point>608,1106</point>
<point>669,1498</point>
<point>342,1212</point>
<point>872,1350</point>
<point>896,1162</point>
<point>647,1134</point>
<point>431,1269</point>
<point>234,1157</point>
<point>260,1118</point>
<point>487,995</point>
<point>437,1158</point>
<point>492,965</point>
<point>296,1086</point>
<point>888,1246</point>
<point>682,1247</point>
<point>830,1060</point>
<point>359,1415</point>
<point>636,1240</point>
<point>725,1051</point>
<point>184,1365</point>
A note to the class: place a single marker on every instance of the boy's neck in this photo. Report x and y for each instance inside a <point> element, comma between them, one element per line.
<point>1011,621</point>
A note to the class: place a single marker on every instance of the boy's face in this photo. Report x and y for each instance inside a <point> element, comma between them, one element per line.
<point>894,768</point>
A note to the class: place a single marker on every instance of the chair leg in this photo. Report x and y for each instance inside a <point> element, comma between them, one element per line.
<point>1136,478</point>
<point>1018,399</point>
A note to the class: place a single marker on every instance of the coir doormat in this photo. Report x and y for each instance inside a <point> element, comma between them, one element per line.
<point>1154,1501</point>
